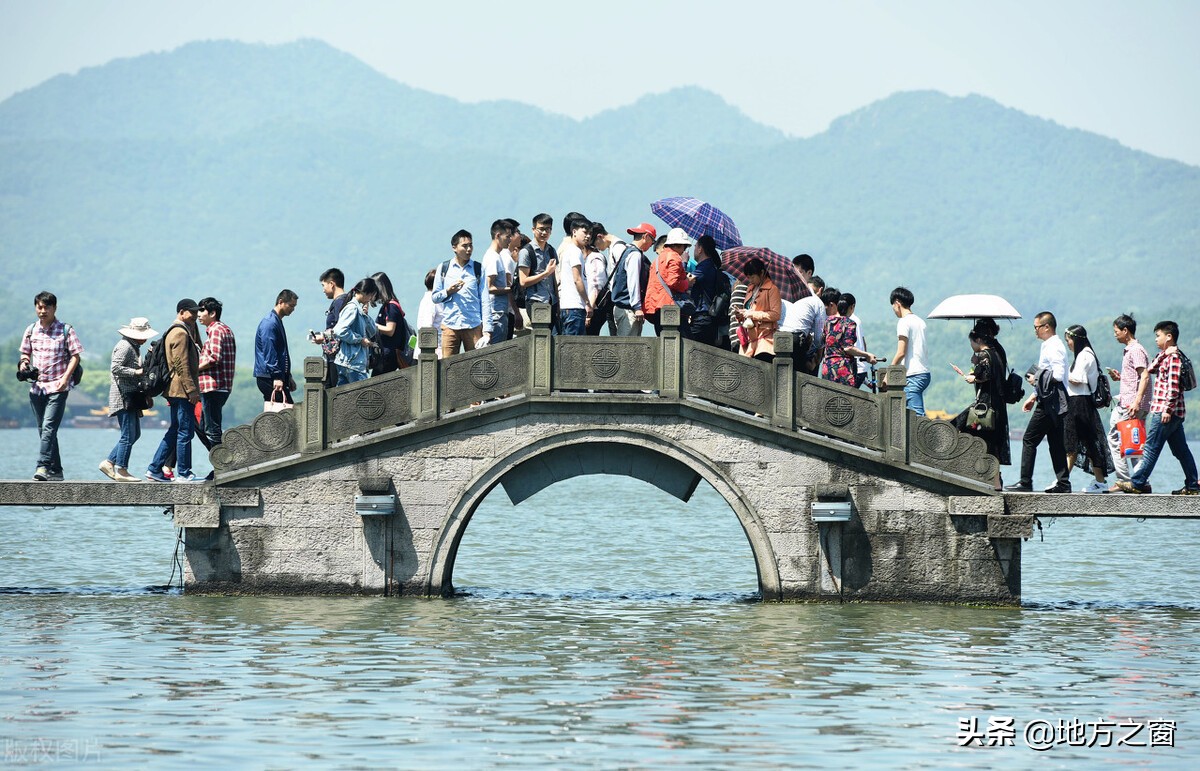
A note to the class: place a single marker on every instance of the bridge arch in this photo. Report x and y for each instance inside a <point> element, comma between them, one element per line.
<point>642,455</point>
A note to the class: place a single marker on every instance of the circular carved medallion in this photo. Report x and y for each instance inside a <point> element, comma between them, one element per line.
<point>839,411</point>
<point>484,374</point>
<point>726,378</point>
<point>983,466</point>
<point>272,431</point>
<point>939,438</point>
<point>370,404</point>
<point>605,363</point>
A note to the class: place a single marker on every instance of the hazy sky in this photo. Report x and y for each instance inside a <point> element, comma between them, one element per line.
<point>1128,70</point>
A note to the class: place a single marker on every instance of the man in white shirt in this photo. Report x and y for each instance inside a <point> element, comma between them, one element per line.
<point>1050,398</point>
<point>574,305</point>
<point>497,327</point>
<point>806,321</point>
<point>910,349</point>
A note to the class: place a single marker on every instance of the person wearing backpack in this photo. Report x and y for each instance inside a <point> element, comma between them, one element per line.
<point>1173,374</point>
<point>49,359</point>
<point>1083,433</point>
<point>458,288</point>
<point>181,350</point>
<point>629,282</point>
<point>537,266</point>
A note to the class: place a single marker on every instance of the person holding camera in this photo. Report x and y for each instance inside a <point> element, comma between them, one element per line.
<point>50,352</point>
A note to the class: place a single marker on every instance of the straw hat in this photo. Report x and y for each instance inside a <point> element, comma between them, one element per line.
<point>138,329</point>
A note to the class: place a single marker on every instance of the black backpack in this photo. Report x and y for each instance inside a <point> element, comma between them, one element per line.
<point>1102,396</point>
<point>1187,373</point>
<point>1014,388</point>
<point>156,374</point>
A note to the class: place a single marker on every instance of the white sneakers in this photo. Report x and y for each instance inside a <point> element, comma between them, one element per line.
<point>1096,487</point>
<point>116,473</point>
<point>123,475</point>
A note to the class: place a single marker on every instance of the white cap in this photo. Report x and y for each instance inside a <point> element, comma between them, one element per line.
<point>677,237</point>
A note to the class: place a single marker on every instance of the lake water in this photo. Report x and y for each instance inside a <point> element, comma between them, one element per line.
<point>583,640</point>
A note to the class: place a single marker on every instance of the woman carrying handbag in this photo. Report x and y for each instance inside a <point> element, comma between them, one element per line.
<point>987,418</point>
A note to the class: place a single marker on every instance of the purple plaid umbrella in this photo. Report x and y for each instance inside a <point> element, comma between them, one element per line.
<point>698,218</point>
<point>779,268</point>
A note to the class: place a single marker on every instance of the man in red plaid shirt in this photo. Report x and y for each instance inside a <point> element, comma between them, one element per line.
<point>53,349</point>
<point>216,370</point>
<point>1167,410</point>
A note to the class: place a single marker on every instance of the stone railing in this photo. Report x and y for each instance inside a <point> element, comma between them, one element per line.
<point>538,365</point>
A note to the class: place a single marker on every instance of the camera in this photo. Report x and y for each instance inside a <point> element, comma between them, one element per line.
<point>27,372</point>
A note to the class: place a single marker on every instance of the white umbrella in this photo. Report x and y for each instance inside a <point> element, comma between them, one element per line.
<point>974,306</point>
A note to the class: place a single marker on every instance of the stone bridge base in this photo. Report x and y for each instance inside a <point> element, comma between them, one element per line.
<point>902,542</point>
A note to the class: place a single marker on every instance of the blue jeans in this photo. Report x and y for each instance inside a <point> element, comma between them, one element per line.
<point>178,437</point>
<point>914,392</point>
<point>501,328</point>
<point>1170,434</point>
<point>131,431</point>
<point>574,321</point>
<point>347,375</point>
<point>48,410</point>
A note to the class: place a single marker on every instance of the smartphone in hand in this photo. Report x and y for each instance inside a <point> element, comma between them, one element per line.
<point>956,369</point>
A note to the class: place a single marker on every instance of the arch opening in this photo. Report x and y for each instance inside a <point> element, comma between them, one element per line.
<point>602,537</point>
<point>580,496</point>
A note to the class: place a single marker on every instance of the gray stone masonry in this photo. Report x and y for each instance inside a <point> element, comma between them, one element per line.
<point>903,542</point>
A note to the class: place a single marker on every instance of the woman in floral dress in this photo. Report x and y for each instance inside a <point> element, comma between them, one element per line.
<point>840,364</point>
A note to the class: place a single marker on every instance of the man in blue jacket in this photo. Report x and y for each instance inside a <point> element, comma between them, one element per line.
<point>272,364</point>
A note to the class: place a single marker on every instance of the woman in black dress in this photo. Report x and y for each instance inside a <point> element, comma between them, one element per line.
<point>988,370</point>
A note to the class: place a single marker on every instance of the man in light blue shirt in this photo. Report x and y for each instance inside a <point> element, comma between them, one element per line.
<point>458,288</point>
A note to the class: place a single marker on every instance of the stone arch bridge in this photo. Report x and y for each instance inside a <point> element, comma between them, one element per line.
<point>369,487</point>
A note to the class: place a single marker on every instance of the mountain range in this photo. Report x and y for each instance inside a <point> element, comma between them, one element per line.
<point>234,170</point>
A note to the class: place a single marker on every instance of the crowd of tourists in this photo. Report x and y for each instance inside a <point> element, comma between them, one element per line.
<point>596,281</point>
